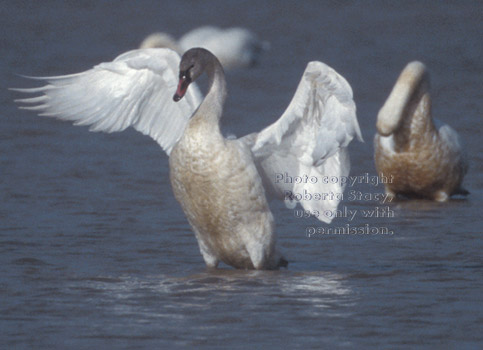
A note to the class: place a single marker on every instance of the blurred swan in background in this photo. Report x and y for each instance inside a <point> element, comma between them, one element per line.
<point>234,47</point>
<point>222,185</point>
<point>422,157</point>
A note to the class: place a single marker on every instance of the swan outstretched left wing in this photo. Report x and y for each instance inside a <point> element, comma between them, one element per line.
<point>302,157</point>
<point>135,89</point>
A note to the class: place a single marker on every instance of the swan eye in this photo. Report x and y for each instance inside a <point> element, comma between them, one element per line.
<point>186,74</point>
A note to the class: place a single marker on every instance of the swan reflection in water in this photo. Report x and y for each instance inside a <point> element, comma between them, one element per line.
<point>313,293</point>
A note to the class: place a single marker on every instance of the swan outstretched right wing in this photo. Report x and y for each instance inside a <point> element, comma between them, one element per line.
<point>302,157</point>
<point>135,89</point>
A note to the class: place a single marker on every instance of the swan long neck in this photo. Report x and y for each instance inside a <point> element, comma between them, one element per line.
<point>416,126</point>
<point>211,109</point>
<point>408,108</point>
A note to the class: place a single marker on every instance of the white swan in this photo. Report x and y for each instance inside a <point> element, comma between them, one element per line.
<point>234,47</point>
<point>222,185</point>
<point>420,157</point>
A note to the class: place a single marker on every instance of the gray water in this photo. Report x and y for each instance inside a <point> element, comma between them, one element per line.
<point>96,253</point>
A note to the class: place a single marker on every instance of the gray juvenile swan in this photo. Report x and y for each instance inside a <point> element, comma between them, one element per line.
<point>222,185</point>
<point>423,158</point>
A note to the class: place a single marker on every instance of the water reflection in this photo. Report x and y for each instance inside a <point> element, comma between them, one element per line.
<point>314,291</point>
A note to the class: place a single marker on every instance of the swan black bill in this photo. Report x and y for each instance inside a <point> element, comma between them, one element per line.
<point>183,84</point>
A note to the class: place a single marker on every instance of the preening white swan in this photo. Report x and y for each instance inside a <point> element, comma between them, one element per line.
<point>222,185</point>
<point>423,158</point>
<point>234,47</point>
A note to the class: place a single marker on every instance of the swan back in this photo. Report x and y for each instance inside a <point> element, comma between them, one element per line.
<point>234,47</point>
<point>160,40</point>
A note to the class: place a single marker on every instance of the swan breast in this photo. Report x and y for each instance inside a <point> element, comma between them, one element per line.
<point>221,193</point>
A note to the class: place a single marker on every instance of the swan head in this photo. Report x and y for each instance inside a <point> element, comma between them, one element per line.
<point>412,84</point>
<point>193,63</point>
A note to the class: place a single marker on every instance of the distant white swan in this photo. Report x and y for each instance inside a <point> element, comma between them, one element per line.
<point>421,157</point>
<point>234,47</point>
<point>222,185</point>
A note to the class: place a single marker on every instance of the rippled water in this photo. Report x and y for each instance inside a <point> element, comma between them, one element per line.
<point>96,253</point>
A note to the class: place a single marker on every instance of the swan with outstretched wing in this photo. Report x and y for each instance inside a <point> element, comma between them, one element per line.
<point>222,184</point>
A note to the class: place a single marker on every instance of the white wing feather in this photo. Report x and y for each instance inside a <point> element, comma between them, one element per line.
<point>309,141</point>
<point>135,90</point>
